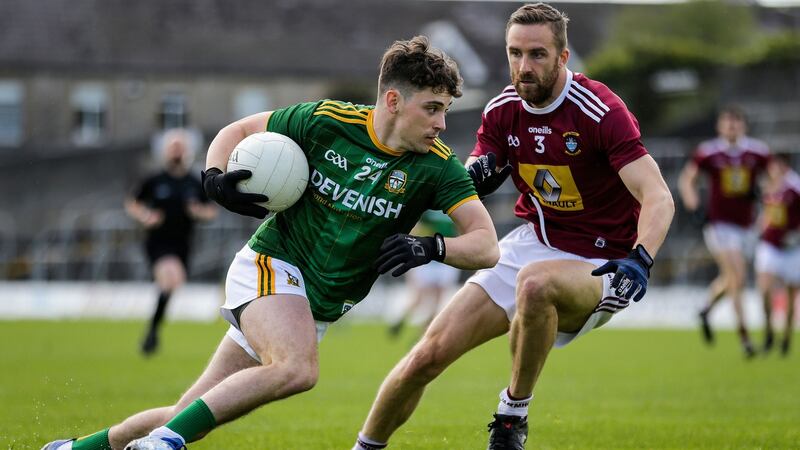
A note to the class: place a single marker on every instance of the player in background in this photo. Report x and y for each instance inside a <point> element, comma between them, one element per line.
<point>596,209</point>
<point>732,162</point>
<point>167,204</point>
<point>428,284</point>
<point>373,172</point>
<point>777,259</point>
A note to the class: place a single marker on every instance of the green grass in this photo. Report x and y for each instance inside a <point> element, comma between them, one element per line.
<point>614,389</point>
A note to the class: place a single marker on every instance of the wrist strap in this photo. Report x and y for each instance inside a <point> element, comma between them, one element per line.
<point>641,254</point>
<point>440,251</point>
<point>211,171</point>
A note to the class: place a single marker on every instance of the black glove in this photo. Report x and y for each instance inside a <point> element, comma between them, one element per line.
<point>406,251</point>
<point>484,175</point>
<point>221,187</point>
<point>630,274</point>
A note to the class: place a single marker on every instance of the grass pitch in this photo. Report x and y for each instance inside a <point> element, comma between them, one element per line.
<point>612,389</point>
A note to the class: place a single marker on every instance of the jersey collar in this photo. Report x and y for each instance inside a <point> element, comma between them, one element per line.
<point>374,137</point>
<point>552,106</point>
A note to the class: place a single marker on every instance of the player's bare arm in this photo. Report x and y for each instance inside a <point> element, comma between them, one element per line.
<point>686,186</point>
<point>643,179</point>
<point>476,245</point>
<point>225,141</point>
<point>220,185</point>
<point>139,211</point>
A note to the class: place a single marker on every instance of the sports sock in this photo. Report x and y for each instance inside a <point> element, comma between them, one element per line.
<point>365,443</point>
<point>743,335</point>
<point>95,441</point>
<point>194,420</point>
<point>510,406</point>
<point>161,306</point>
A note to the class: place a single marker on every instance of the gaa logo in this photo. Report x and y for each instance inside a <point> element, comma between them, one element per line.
<point>337,159</point>
<point>396,184</point>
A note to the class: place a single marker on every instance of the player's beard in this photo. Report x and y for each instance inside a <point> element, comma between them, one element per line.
<point>538,90</point>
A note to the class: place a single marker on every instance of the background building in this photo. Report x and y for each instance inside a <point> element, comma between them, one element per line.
<point>87,86</point>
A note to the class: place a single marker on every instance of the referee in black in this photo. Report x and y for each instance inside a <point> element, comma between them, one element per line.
<point>168,204</point>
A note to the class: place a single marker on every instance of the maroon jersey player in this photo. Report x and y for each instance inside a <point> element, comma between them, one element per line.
<point>566,158</point>
<point>596,209</point>
<point>777,260</point>
<point>732,163</point>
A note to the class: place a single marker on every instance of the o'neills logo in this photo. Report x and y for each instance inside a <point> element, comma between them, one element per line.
<point>396,184</point>
<point>540,130</point>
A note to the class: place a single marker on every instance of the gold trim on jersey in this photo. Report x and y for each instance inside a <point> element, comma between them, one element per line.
<point>266,276</point>
<point>454,207</point>
<point>343,108</point>
<point>374,137</point>
<point>340,118</point>
<point>439,149</point>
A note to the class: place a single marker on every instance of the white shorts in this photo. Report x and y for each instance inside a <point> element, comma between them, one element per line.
<point>783,263</point>
<point>253,275</point>
<point>434,274</point>
<point>521,247</point>
<point>722,236</point>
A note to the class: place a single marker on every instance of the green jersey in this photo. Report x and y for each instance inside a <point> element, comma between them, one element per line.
<point>359,193</point>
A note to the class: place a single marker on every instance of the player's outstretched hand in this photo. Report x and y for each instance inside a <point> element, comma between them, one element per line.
<point>221,187</point>
<point>485,176</point>
<point>405,251</point>
<point>630,274</point>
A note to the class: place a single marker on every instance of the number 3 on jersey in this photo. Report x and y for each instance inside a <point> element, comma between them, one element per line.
<point>539,143</point>
<point>364,173</point>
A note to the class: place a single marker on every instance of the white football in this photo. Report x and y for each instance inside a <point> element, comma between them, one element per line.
<point>279,166</point>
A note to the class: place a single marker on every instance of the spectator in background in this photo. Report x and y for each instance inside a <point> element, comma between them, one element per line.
<point>168,204</point>
<point>428,284</point>
<point>732,161</point>
<point>778,254</point>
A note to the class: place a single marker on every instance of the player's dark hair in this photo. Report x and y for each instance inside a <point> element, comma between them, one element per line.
<point>784,157</point>
<point>414,64</point>
<point>734,111</point>
<point>542,13</point>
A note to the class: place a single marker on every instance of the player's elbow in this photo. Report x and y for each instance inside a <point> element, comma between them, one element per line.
<point>488,254</point>
<point>492,256</point>
<point>668,203</point>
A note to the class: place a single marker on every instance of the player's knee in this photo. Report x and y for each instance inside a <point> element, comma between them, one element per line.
<point>736,281</point>
<point>423,364</point>
<point>535,291</point>
<point>298,376</point>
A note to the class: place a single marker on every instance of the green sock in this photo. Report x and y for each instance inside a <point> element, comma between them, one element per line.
<point>96,441</point>
<point>192,421</point>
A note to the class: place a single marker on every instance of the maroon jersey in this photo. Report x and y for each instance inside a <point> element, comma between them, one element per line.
<point>566,157</point>
<point>732,170</point>
<point>782,210</point>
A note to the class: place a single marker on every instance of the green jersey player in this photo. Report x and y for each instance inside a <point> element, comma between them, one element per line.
<point>373,172</point>
<point>360,192</point>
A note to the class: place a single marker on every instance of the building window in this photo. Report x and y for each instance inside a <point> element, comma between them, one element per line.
<point>10,113</point>
<point>249,101</point>
<point>90,105</point>
<point>173,112</point>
